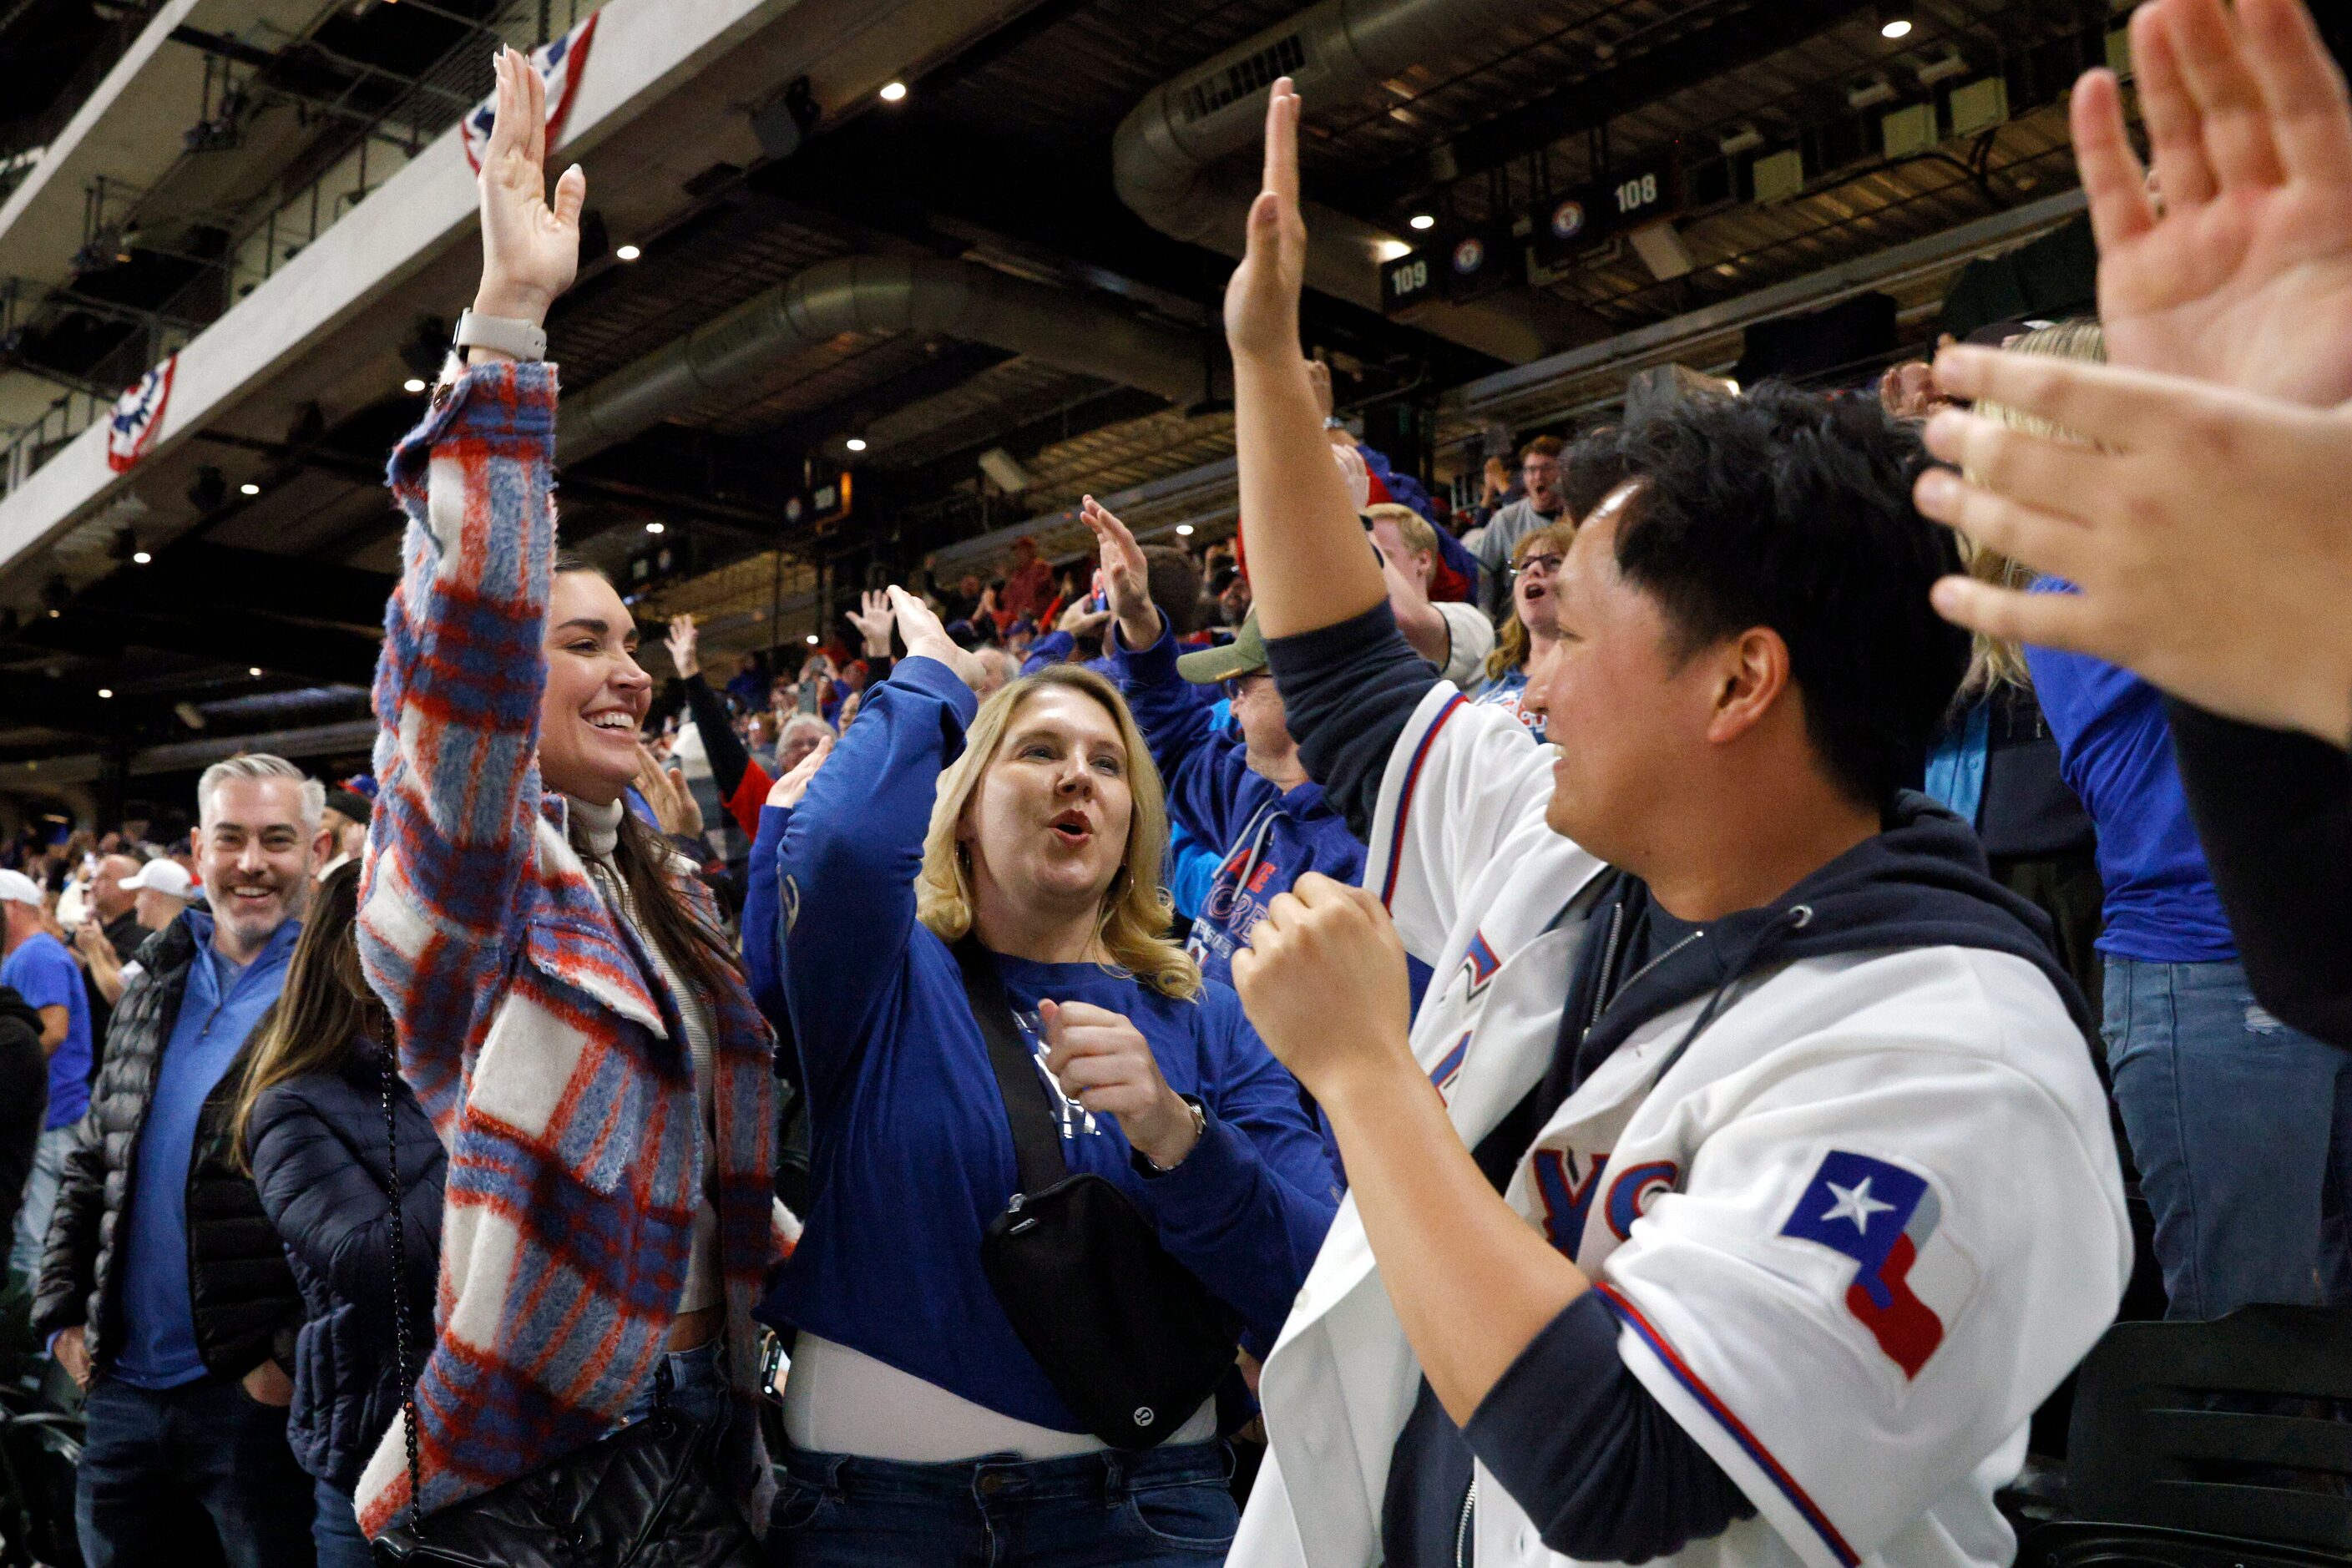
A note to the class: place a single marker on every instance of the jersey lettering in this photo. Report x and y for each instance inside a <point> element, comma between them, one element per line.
<point>1566,1198</point>
<point>1633,1191</point>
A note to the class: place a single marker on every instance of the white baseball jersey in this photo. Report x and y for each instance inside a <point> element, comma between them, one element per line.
<point>1852,1237</point>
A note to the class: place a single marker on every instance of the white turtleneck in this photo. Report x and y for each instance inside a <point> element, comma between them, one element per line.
<point>596,830</point>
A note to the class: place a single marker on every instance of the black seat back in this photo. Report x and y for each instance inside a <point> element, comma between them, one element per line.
<point>2233,1427</point>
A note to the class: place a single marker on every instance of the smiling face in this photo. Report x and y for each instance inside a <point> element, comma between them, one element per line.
<point>1048,824</point>
<point>1627,714</point>
<point>254,855</point>
<point>596,697</point>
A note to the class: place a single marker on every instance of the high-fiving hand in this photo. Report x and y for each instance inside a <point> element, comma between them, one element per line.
<point>788,790</point>
<point>1126,576</point>
<point>531,246</point>
<point>873,623</point>
<point>920,630</point>
<point>1261,300</point>
<point>2238,268</point>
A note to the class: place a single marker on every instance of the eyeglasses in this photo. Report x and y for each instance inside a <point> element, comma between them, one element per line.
<point>1547,564</point>
<point>1232,686</point>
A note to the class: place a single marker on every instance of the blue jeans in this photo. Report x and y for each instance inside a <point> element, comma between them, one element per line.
<point>2241,1129</point>
<point>1165,1509</point>
<point>40,1201</point>
<point>147,1448</point>
<point>335,1527</point>
<point>692,1383</point>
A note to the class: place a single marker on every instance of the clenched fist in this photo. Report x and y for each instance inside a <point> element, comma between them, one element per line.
<point>1323,981</point>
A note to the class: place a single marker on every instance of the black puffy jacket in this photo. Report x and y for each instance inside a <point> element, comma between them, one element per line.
<point>319,1159</point>
<point>247,1306</point>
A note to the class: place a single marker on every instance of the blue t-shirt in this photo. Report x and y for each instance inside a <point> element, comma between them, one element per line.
<point>217,1011</point>
<point>2116,751</point>
<point>46,975</point>
<point>909,1155</point>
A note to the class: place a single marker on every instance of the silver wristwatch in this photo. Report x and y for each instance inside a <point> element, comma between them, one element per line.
<point>517,340</point>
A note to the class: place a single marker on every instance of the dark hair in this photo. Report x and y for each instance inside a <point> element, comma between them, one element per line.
<point>1175,587</point>
<point>1785,509</point>
<point>1595,465</point>
<point>324,1009</point>
<point>698,953</point>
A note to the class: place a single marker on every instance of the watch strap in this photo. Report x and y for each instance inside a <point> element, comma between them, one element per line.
<point>517,340</point>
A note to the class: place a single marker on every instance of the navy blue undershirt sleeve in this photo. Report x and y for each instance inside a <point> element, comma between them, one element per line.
<point>1605,1474</point>
<point>1349,689</point>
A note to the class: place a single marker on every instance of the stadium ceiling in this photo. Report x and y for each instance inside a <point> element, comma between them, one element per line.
<point>1790,131</point>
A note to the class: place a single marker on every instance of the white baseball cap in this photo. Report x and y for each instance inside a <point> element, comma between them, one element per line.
<point>15,888</point>
<point>166,877</point>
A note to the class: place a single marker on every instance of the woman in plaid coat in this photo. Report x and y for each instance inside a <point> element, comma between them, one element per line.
<point>564,1005</point>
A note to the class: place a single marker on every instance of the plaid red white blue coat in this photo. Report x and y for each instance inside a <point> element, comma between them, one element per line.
<point>535,1033</point>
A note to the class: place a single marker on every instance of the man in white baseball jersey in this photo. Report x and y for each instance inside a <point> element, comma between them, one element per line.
<point>1742,1184</point>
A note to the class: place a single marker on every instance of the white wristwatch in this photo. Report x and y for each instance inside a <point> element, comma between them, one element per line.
<point>517,340</point>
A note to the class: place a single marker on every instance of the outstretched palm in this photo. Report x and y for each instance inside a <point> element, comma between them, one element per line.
<point>1126,574</point>
<point>2246,278</point>
<point>873,623</point>
<point>1261,300</point>
<point>530,247</point>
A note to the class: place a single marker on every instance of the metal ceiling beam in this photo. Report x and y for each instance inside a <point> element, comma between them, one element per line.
<point>1709,42</point>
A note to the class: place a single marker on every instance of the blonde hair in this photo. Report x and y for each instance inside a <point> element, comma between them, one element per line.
<point>1513,642</point>
<point>1419,537</point>
<point>1136,911</point>
<point>1995,661</point>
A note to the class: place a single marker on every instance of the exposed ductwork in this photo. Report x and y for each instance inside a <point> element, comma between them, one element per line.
<point>1078,332</point>
<point>1172,157</point>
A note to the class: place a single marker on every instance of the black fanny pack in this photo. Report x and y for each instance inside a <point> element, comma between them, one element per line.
<point>1127,1336</point>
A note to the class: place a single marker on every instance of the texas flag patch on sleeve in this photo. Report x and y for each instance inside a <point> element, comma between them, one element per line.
<point>1910,1281</point>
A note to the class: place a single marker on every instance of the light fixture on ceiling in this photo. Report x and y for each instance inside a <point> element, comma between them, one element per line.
<point>1744,137</point>
<point>1869,91</point>
<point>894,92</point>
<point>1183,531</point>
<point>1894,21</point>
<point>1942,66</point>
<point>141,558</point>
<point>1392,249</point>
<point>105,691</point>
<point>855,443</point>
<point>628,253</point>
<point>812,639</point>
<point>249,489</point>
<point>1005,470</point>
<point>254,670</point>
<point>655,527</point>
<point>413,384</point>
<point>1422,221</point>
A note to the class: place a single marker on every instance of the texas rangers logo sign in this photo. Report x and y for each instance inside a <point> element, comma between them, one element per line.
<point>1887,1218</point>
<point>137,414</point>
<point>559,63</point>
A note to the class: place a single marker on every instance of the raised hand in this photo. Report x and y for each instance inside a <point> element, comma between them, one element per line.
<point>1261,300</point>
<point>873,623</point>
<point>2229,592</point>
<point>920,630</point>
<point>2244,277</point>
<point>1324,983</point>
<point>1080,618</point>
<point>1126,574</point>
<point>788,790</point>
<point>682,642</point>
<point>531,246</point>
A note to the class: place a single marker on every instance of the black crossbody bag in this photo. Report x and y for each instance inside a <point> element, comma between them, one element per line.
<point>1129,1337</point>
<point>643,1497</point>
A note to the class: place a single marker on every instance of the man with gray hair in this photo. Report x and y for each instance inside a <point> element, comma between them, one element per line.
<point>163,1288</point>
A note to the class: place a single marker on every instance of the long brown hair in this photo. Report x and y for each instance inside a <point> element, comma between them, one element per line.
<point>325,1009</point>
<point>1136,909</point>
<point>1513,642</point>
<point>695,950</point>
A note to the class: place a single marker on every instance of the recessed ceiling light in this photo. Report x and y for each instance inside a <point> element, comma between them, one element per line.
<point>105,691</point>
<point>1422,221</point>
<point>1392,250</point>
<point>1895,27</point>
<point>140,558</point>
<point>1183,531</point>
<point>254,671</point>
<point>249,489</point>
<point>655,527</point>
<point>892,92</point>
<point>628,253</point>
<point>855,443</point>
<point>413,384</point>
<point>812,637</point>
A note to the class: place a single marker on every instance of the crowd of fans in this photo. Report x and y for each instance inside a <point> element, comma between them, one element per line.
<point>1595,1034</point>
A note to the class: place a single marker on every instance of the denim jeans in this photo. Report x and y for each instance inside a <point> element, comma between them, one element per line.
<point>1165,1509</point>
<point>40,1201</point>
<point>335,1527</point>
<point>2241,1129</point>
<point>209,1439</point>
<point>693,1382</point>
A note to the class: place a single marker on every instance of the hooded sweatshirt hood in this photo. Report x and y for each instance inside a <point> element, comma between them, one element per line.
<point>1921,881</point>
